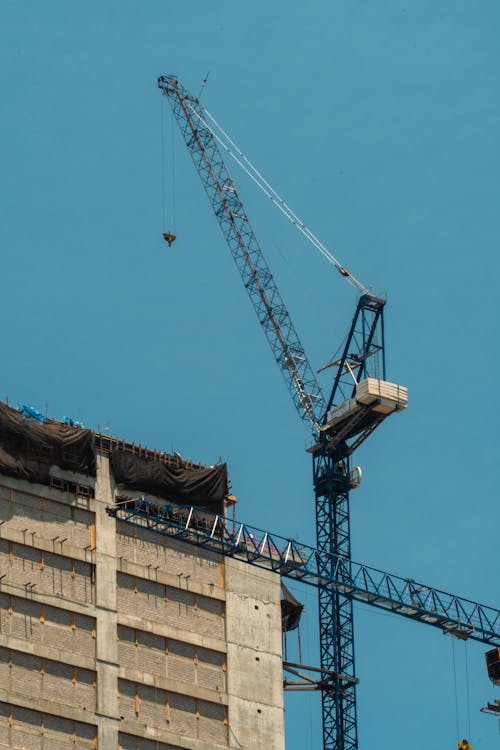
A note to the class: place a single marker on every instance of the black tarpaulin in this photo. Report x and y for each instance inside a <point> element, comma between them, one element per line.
<point>183,485</point>
<point>291,610</point>
<point>493,665</point>
<point>28,448</point>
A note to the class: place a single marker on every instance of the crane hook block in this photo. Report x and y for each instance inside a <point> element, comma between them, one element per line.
<point>464,745</point>
<point>169,237</point>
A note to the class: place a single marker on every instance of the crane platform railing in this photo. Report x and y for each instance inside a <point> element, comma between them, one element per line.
<point>454,615</point>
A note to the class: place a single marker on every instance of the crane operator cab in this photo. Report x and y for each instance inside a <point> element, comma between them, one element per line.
<point>464,745</point>
<point>169,238</point>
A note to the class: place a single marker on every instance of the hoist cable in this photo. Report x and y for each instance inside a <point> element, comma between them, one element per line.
<point>467,689</point>
<point>172,154</point>
<point>162,149</point>
<point>455,685</point>
<point>245,164</point>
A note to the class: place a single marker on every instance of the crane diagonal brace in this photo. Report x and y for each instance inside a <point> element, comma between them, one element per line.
<point>402,596</point>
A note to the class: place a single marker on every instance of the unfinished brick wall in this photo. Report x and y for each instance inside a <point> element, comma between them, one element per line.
<point>129,742</point>
<point>178,713</point>
<point>51,630</point>
<point>31,569</point>
<point>31,675</point>
<point>144,547</point>
<point>47,626</point>
<point>32,730</point>
<point>47,519</point>
<point>168,657</point>
<point>180,608</point>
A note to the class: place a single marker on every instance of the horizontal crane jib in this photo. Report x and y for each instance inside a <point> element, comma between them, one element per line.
<point>402,596</point>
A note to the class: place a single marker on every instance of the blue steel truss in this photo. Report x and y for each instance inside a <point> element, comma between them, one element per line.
<point>362,357</point>
<point>336,623</point>
<point>290,558</point>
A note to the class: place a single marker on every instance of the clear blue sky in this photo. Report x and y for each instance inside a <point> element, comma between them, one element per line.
<point>379,122</point>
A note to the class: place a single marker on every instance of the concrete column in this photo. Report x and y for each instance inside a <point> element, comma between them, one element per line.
<point>254,659</point>
<point>106,615</point>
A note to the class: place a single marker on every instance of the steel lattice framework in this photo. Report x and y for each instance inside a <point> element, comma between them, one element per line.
<point>301,562</point>
<point>335,605</point>
<point>245,249</point>
<point>363,356</point>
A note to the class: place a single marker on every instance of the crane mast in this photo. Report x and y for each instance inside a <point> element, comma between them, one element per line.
<point>362,356</point>
<point>339,424</point>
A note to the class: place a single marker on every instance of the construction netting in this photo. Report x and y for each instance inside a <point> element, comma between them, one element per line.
<point>181,484</point>
<point>29,448</point>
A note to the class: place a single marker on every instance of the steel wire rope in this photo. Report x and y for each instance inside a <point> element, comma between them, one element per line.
<point>172,158</point>
<point>467,690</point>
<point>162,149</point>
<point>285,209</point>
<point>274,197</point>
<point>290,213</point>
<point>455,686</point>
<point>164,191</point>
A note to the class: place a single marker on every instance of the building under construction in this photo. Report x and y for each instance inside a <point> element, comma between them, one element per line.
<point>112,636</point>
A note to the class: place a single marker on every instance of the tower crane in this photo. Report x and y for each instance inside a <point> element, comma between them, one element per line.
<point>335,439</point>
<point>359,401</point>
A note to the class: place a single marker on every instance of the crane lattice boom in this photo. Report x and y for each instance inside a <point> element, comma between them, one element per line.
<point>257,278</point>
<point>290,558</point>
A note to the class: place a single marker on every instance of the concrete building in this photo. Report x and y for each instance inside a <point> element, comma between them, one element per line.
<point>112,636</point>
